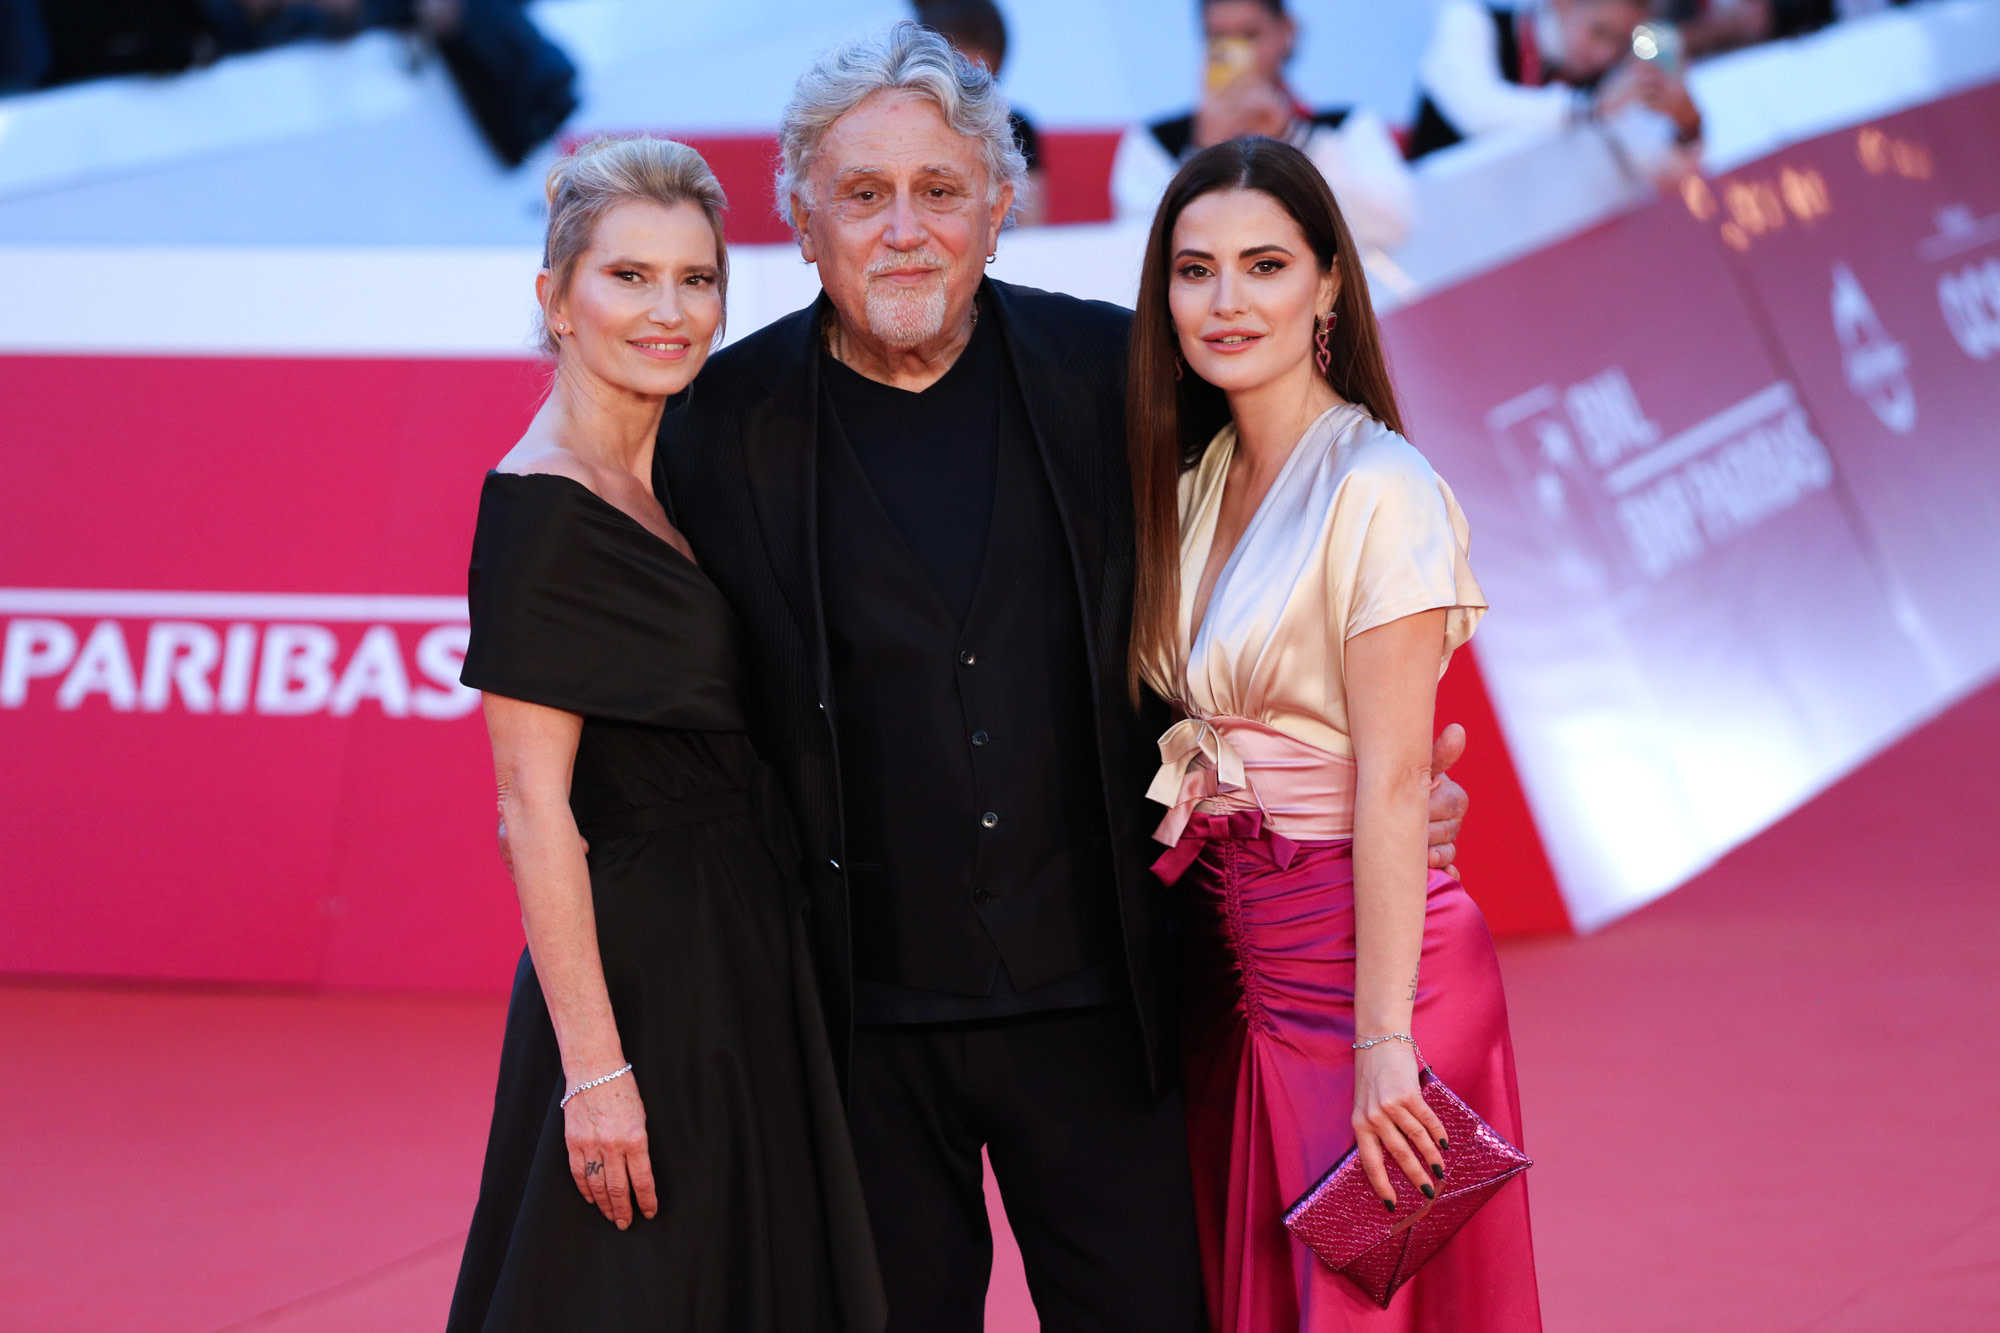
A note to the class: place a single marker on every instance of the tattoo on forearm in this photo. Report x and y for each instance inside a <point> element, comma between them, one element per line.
<point>592,1168</point>
<point>1413,989</point>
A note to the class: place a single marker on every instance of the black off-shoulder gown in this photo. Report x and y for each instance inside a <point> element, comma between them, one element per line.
<point>761,1223</point>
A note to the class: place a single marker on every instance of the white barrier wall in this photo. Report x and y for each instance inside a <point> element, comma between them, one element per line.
<point>289,207</point>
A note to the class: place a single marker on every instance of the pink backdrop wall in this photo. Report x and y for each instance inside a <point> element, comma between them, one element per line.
<point>141,837</point>
<point>1732,463</point>
<point>328,820</point>
<point>1730,460</point>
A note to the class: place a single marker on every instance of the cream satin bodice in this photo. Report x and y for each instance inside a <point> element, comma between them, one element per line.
<point>1356,531</point>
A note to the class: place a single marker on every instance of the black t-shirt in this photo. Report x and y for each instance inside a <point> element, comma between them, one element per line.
<point>930,458</point>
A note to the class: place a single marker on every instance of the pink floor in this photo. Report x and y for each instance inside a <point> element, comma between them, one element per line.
<point>1764,1103</point>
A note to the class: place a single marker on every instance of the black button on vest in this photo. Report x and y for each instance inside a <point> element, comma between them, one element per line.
<point>973,804</point>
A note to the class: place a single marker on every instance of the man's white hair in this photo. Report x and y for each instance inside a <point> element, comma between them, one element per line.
<point>910,58</point>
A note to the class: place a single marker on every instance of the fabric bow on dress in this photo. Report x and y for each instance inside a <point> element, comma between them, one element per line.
<point>1197,763</point>
<point>1230,777</point>
<point>1240,825</point>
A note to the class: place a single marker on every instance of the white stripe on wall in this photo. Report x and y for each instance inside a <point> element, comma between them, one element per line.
<point>474,302</point>
<point>443,302</point>
<point>319,607</point>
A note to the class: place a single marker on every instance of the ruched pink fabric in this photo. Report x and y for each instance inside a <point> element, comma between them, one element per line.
<point>1270,1084</point>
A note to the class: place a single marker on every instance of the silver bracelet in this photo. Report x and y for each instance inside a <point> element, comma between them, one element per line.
<point>584,1087</point>
<point>1366,1042</point>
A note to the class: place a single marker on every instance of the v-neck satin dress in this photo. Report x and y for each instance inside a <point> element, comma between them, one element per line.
<point>1356,531</point>
<point>761,1226</point>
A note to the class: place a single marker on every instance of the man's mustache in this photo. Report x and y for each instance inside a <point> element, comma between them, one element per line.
<point>914,259</point>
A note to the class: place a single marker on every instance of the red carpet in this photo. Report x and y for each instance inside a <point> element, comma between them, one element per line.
<point>1766,1101</point>
<point>1763,1103</point>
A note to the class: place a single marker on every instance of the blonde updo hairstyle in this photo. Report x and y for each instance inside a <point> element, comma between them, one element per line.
<point>606,172</point>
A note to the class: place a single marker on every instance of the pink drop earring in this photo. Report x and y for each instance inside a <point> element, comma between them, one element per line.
<point>1324,323</point>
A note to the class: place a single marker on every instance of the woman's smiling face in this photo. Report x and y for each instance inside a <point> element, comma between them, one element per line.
<point>645,300</point>
<point>1244,289</point>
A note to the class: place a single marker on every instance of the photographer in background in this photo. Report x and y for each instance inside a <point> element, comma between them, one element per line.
<point>1249,42</point>
<point>24,45</point>
<point>1489,69</point>
<point>517,84</point>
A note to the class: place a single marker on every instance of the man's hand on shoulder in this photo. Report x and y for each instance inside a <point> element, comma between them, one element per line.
<point>1448,800</point>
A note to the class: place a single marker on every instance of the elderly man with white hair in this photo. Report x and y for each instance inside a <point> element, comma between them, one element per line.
<point>914,495</point>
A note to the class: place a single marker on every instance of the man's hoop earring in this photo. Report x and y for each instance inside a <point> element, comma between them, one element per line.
<point>1324,323</point>
<point>995,255</point>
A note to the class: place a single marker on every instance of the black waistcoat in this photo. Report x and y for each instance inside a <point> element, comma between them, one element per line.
<point>972,796</point>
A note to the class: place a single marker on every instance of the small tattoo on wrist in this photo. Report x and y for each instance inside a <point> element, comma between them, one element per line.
<point>1413,989</point>
<point>592,1168</point>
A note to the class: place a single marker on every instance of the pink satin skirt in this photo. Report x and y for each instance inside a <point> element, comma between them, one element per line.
<point>1270,1083</point>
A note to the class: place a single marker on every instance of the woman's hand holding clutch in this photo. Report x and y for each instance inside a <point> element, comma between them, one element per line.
<point>1392,1121</point>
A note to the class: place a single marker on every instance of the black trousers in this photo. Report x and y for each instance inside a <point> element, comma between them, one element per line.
<point>1092,1168</point>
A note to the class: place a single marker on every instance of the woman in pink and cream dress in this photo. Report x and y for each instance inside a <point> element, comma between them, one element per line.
<point>1303,580</point>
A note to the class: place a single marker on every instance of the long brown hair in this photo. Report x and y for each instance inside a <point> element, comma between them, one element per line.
<point>1170,419</point>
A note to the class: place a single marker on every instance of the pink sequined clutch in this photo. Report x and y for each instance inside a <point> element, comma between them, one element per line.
<point>1341,1219</point>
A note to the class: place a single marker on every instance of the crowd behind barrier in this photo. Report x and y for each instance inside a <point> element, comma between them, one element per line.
<point>1725,538</point>
<point>518,85</point>
<point>331,146</point>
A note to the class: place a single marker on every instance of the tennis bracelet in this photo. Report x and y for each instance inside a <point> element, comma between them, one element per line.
<point>584,1087</point>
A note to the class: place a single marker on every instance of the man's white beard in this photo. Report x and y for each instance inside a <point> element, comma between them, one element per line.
<point>904,318</point>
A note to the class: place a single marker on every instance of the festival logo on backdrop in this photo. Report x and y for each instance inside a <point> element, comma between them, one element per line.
<point>1620,503</point>
<point>1877,367</point>
<point>222,653</point>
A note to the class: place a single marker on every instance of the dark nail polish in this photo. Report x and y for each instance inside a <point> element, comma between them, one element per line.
<point>1429,1193</point>
<point>1390,1204</point>
<point>1444,1145</point>
<point>1438,1171</point>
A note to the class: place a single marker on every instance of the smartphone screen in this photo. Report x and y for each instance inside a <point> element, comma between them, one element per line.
<point>1228,58</point>
<point>1658,44</point>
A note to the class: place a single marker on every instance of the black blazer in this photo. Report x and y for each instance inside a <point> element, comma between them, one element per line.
<point>737,467</point>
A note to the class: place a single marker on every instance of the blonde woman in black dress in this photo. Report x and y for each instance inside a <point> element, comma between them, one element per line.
<point>668,1149</point>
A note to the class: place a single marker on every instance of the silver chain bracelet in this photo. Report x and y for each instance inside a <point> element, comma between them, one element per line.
<point>585,1087</point>
<point>1366,1042</point>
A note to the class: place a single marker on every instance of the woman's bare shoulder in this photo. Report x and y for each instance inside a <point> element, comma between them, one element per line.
<point>532,456</point>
